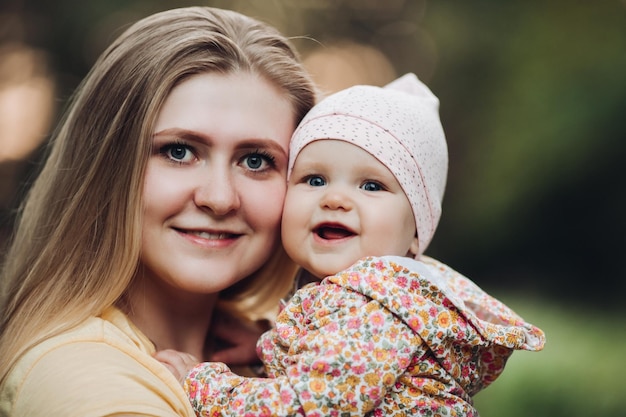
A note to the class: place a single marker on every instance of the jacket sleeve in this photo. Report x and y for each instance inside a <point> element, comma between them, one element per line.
<point>332,350</point>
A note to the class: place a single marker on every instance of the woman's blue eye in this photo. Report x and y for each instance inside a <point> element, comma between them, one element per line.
<point>254,162</point>
<point>178,152</point>
<point>316,181</point>
<point>258,161</point>
<point>371,186</point>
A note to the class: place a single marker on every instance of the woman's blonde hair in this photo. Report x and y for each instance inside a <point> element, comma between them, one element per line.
<point>77,241</point>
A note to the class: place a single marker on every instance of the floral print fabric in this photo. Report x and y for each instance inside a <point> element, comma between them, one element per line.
<point>389,336</point>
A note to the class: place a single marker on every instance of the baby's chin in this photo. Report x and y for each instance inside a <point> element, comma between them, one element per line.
<point>320,272</point>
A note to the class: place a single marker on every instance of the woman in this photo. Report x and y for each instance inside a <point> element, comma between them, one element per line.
<point>164,186</point>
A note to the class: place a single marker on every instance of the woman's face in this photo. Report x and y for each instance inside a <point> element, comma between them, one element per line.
<point>215,182</point>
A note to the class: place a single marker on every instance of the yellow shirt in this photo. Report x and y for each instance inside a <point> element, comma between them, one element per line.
<point>102,368</point>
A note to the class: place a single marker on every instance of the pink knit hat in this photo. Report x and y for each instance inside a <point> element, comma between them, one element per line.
<point>399,125</point>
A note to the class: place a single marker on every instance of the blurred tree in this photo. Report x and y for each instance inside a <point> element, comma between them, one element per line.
<point>538,91</point>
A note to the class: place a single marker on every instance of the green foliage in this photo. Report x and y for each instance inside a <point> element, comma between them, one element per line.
<point>579,373</point>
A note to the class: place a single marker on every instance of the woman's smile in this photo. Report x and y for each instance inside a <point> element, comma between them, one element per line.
<point>210,239</point>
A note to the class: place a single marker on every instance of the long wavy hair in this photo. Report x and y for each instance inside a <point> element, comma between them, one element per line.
<point>77,241</point>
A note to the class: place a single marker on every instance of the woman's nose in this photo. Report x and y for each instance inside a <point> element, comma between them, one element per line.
<point>217,192</point>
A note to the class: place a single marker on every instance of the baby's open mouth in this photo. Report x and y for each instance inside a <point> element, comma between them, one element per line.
<point>333,232</point>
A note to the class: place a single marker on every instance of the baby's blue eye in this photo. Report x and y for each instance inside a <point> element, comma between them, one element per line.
<point>316,181</point>
<point>371,186</point>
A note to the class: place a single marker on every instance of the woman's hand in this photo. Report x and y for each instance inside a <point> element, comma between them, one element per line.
<point>237,339</point>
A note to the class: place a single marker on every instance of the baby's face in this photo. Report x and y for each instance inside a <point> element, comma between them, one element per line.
<point>343,204</point>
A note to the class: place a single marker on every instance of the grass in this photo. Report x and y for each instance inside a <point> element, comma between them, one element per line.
<point>580,372</point>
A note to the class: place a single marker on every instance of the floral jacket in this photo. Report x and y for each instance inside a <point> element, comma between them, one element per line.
<point>389,336</point>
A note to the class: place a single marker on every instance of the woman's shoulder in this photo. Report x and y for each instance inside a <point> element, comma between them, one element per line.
<point>101,367</point>
<point>111,331</point>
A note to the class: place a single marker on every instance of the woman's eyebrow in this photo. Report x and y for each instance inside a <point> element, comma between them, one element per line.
<point>269,144</point>
<point>182,133</point>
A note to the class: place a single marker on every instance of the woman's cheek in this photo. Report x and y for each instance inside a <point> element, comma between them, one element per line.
<point>265,203</point>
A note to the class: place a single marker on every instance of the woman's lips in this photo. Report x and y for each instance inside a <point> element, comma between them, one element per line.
<point>207,233</point>
<point>212,239</point>
<point>210,235</point>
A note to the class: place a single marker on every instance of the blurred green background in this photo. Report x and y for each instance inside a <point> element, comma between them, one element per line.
<point>533,101</point>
